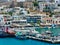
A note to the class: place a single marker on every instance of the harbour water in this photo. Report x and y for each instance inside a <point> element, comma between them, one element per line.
<point>55,31</point>
<point>13,41</point>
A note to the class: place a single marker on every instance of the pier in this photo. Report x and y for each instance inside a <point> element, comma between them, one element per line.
<point>44,40</point>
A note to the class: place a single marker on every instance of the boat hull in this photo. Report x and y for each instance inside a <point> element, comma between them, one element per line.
<point>5,34</point>
<point>21,37</point>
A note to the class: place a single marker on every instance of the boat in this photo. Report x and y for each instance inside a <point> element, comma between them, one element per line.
<point>48,32</point>
<point>11,32</point>
<point>20,35</point>
<point>3,34</point>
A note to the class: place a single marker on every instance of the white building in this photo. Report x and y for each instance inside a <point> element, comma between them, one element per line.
<point>1,8</point>
<point>41,6</point>
<point>57,1</point>
<point>1,20</point>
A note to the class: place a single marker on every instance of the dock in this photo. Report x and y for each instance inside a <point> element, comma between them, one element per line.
<point>44,40</point>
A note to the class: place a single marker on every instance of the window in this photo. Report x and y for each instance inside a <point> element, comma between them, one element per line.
<point>53,22</point>
<point>58,4</point>
<point>8,22</point>
<point>48,21</point>
<point>59,21</point>
<point>56,21</point>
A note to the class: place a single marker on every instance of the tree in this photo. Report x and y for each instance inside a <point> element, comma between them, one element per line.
<point>10,13</point>
<point>28,12</point>
<point>49,9</point>
<point>2,9</point>
<point>51,14</point>
<point>38,22</point>
<point>35,3</point>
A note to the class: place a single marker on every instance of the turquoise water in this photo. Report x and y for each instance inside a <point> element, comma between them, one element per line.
<point>13,41</point>
<point>55,31</point>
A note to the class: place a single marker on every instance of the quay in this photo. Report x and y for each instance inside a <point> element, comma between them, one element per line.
<point>44,40</point>
<point>30,34</point>
<point>24,37</point>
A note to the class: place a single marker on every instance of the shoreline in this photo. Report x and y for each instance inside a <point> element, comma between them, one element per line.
<point>37,39</point>
<point>45,40</point>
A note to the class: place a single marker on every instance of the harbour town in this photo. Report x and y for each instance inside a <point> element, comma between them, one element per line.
<point>30,20</point>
